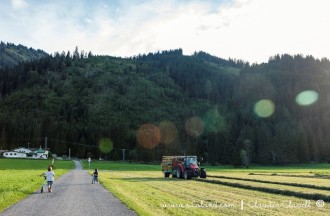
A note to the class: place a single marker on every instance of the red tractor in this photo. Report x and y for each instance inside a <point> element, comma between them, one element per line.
<point>182,167</point>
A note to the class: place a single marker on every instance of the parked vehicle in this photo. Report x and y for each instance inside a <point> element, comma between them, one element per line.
<point>182,167</point>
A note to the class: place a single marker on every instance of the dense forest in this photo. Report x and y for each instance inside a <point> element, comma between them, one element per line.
<point>166,103</point>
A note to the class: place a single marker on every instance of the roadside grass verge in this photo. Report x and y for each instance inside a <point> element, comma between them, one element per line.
<point>149,193</point>
<point>20,177</point>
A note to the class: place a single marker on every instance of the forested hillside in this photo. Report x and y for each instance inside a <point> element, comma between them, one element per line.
<point>225,111</point>
<point>11,54</point>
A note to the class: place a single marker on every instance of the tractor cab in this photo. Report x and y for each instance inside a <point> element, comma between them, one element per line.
<point>191,162</point>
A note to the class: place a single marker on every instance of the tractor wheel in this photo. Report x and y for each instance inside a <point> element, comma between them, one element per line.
<point>203,173</point>
<point>167,174</point>
<point>178,173</point>
<point>186,175</point>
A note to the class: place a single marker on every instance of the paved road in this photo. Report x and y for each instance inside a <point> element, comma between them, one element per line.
<point>73,195</point>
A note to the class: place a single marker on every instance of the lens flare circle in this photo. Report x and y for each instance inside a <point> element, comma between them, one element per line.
<point>264,108</point>
<point>214,122</point>
<point>194,126</point>
<point>168,132</point>
<point>307,98</point>
<point>105,145</point>
<point>148,136</point>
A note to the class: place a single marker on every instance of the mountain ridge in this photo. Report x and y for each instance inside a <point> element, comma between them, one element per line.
<point>152,104</point>
<point>11,54</point>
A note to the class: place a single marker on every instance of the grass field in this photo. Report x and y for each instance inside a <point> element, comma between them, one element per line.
<point>20,177</point>
<point>144,189</point>
<point>259,190</point>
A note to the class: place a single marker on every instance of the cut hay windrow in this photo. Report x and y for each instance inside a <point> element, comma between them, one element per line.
<point>315,176</point>
<point>314,196</point>
<point>277,183</point>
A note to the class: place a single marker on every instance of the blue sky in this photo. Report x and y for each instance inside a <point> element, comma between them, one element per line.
<point>251,30</point>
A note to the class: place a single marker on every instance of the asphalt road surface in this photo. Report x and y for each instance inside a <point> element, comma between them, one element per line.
<point>73,195</point>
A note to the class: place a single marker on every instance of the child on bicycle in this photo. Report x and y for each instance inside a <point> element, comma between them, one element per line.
<point>95,176</point>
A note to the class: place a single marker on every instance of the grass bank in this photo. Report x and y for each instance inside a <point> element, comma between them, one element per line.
<point>20,177</point>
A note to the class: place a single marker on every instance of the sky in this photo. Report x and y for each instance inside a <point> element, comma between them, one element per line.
<point>249,30</point>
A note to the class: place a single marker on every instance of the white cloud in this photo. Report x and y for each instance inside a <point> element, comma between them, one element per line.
<point>251,30</point>
<point>19,4</point>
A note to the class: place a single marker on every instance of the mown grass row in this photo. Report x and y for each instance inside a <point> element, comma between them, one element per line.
<point>312,196</point>
<point>277,183</point>
<point>312,175</point>
<point>279,187</point>
<point>277,178</point>
<point>311,169</point>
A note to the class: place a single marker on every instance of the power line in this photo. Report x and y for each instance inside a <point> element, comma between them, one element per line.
<point>62,141</point>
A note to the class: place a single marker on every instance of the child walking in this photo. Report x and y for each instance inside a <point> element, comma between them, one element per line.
<point>49,178</point>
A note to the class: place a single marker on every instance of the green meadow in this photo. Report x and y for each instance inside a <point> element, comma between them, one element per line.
<point>21,177</point>
<point>120,166</point>
<point>295,168</point>
<point>258,190</point>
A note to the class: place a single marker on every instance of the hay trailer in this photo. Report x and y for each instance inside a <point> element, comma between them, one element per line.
<point>182,167</point>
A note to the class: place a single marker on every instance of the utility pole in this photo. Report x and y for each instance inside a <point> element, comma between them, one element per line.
<point>123,154</point>
<point>45,142</point>
<point>69,153</point>
<point>28,145</point>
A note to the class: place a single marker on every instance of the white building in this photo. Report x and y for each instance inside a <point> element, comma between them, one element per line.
<point>23,150</point>
<point>27,153</point>
<point>41,154</point>
<point>14,154</point>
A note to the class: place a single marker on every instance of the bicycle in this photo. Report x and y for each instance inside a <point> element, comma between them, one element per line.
<point>44,183</point>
